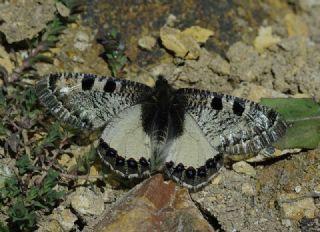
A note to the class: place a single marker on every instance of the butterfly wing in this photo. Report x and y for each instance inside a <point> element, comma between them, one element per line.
<point>124,145</point>
<point>191,161</point>
<point>88,101</point>
<point>216,125</point>
<point>233,125</point>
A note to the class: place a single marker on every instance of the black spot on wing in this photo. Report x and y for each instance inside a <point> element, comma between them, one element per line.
<point>190,172</point>
<point>52,80</point>
<point>87,83</point>
<point>110,86</point>
<point>111,152</point>
<point>216,103</point>
<point>179,168</point>
<point>143,162</point>
<point>238,107</point>
<point>201,171</point>
<point>120,161</point>
<point>132,163</point>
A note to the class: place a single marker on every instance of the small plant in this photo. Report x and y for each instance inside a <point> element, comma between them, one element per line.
<point>113,51</point>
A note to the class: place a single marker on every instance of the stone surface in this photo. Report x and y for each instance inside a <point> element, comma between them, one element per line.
<point>183,46</point>
<point>295,208</point>
<point>50,226</point>
<point>244,168</point>
<point>5,60</point>
<point>265,39</point>
<point>296,25</point>
<point>255,92</point>
<point>86,202</point>
<point>199,34</point>
<point>65,218</point>
<point>147,43</point>
<point>242,203</point>
<point>82,40</point>
<point>18,19</point>
<point>7,169</point>
<point>154,205</point>
<point>245,62</point>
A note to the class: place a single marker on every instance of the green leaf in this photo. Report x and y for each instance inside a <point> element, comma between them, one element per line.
<point>303,115</point>
<point>4,228</point>
<point>24,164</point>
<point>21,217</point>
<point>3,130</point>
<point>53,135</point>
<point>84,162</point>
<point>32,194</point>
<point>49,181</point>
<point>10,189</point>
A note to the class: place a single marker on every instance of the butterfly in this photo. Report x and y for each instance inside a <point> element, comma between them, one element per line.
<point>183,133</point>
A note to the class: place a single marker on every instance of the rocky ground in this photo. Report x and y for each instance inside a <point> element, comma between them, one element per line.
<point>251,50</point>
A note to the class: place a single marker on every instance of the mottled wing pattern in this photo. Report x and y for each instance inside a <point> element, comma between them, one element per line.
<point>233,125</point>
<point>88,101</point>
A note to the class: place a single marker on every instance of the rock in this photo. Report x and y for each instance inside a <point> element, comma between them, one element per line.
<point>5,60</point>
<point>255,92</point>
<point>202,74</point>
<point>49,226</point>
<point>182,46</point>
<point>307,5</point>
<point>219,65</point>
<point>147,43</point>
<point>245,62</point>
<point>171,20</point>
<point>248,189</point>
<point>7,170</point>
<point>82,40</point>
<point>65,218</point>
<point>298,208</point>
<point>295,25</point>
<point>153,205</point>
<point>199,34</point>
<point>265,39</point>
<point>25,19</point>
<point>62,9</point>
<point>86,202</point>
<point>244,168</point>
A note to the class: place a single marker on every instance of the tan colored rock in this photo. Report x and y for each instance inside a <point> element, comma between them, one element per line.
<point>65,218</point>
<point>183,46</point>
<point>265,39</point>
<point>255,92</point>
<point>52,225</point>
<point>86,202</point>
<point>295,25</point>
<point>298,208</point>
<point>199,34</point>
<point>248,189</point>
<point>25,19</point>
<point>62,9</point>
<point>244,168</point>
<point>154,205</point>
<point>147,43</point>
<point>5,60</point>
<point>220,65</point>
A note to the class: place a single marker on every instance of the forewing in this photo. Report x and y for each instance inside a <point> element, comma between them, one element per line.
<point>233,125</point>
<point>88,101</point>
